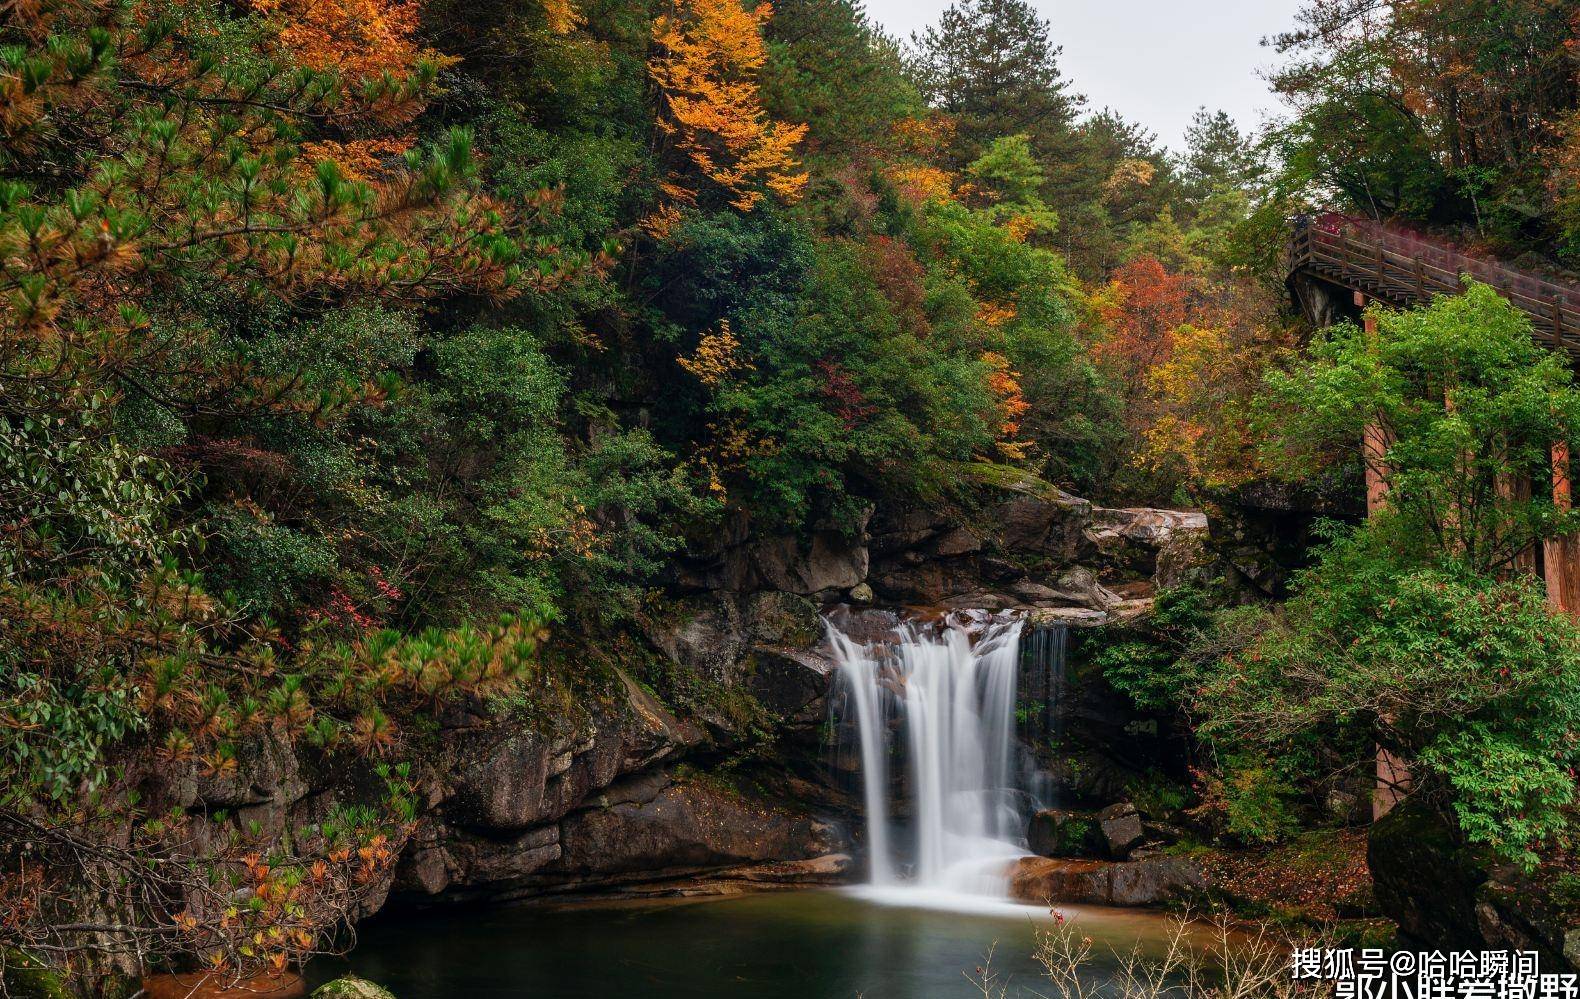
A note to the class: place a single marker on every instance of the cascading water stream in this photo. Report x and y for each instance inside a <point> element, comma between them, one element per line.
<point>949,689</point>
<point>871,720</point>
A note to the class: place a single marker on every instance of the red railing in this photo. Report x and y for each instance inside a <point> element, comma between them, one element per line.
<point>1407,269</point>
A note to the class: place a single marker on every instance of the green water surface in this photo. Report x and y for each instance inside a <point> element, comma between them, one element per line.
<point>792,945</point>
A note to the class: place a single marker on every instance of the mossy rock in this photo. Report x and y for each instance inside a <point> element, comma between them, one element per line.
<point>25,978</point>
<point>1009,478</point>
<point>1061,834</point>
<point>351,987</point>
<point>783,619</point>
<point>1424,878</point>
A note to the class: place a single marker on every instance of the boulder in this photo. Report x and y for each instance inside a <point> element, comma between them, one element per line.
<point>1145,526</point>
<point>894,531</point>
<point>957,542</point>
<point>1165,545</point>
<point>791,683</point>
<point>737,559</point>
<point>467,861</point>
<point>1444,893</point>
<point>718,559</point>
<point>1079,586</point>
<point>1071,617</point>
<point>1121,829</point>
<point>999,570</point>
<point>774,618</point>
<point>351,987</point>
<point>980,600</point>
<point>1036,593</point>
<point>267,773</point>
<point>507,787</point>
<point>1150,882</point>
<point>1153,881</point>
<point>923,583</point>
<point>1055,832</point>
<point>704,635</point>
<point>502,796</point>
<point>1037,525</point>
<point>1424,879</point>
<point>826,561</point>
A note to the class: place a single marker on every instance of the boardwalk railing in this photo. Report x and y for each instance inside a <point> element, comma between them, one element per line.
<point>1406,270</point>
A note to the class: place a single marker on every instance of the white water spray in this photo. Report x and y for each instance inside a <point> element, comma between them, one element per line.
<point>951,687</point>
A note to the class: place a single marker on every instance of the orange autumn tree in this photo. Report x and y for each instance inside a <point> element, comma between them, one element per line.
<point>1004,382</point>
<point>708,54</point>
<point>1203,395</point>
<point>365,43</point>
<point>1138,313</point>
<point>360,39</point>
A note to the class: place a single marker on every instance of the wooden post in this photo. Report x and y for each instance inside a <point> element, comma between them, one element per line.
<point>1374,441</point>
<point>1393,777</point>
<point>1393,783</point>
<point>1517,489</point>
<point>1561,556</point>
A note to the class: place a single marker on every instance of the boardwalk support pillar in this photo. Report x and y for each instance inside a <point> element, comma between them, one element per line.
<point>1561,556</point>
<point>1393,777</point>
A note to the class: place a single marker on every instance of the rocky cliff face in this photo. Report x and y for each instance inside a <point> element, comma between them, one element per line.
<point>640,790</point>
<point>614,806</point>
<point>1037,549</point>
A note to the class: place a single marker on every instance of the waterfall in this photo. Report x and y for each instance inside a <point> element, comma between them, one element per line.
<point>946,692</point>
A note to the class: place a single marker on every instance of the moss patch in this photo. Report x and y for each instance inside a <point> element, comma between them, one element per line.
<point>351,987</point>
<point>25,978</point>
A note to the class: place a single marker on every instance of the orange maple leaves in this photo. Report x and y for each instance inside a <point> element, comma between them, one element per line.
<point>709,53</point>
<point>1004,382</point>
<point>1188,356</point>
<point>362,39</point>
<point>1140,310</point>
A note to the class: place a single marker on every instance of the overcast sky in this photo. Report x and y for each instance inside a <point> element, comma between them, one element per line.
<point>1153,61</point>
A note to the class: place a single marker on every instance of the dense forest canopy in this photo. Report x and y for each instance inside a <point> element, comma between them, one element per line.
<point>357,355</point>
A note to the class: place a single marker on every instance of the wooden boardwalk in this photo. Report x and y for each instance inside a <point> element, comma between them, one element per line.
<point>1404,270</point>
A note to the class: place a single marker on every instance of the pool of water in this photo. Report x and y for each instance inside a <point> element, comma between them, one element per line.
<point>831,944</point>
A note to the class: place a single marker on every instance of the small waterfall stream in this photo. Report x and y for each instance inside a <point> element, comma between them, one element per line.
<point>945,692</point>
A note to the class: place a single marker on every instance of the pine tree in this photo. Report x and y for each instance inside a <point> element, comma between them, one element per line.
<point>992,65</point>
<point>1218,157</point>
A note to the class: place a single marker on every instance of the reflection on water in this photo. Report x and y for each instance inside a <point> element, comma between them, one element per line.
<point>796,945</point>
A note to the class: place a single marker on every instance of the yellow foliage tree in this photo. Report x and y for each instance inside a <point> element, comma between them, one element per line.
<point>1206,393</point>
<point>717,358</point>
<point>562,16</point>
<point>362,39</point>
<point>1004,382</point>
<point>708,55</point>
<point>717,364</point>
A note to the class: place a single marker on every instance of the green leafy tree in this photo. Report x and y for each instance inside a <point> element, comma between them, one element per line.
<point>1473,681</point>
<point>1415,631</point>
<point>1472,405</point>
<point>831,67</point>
